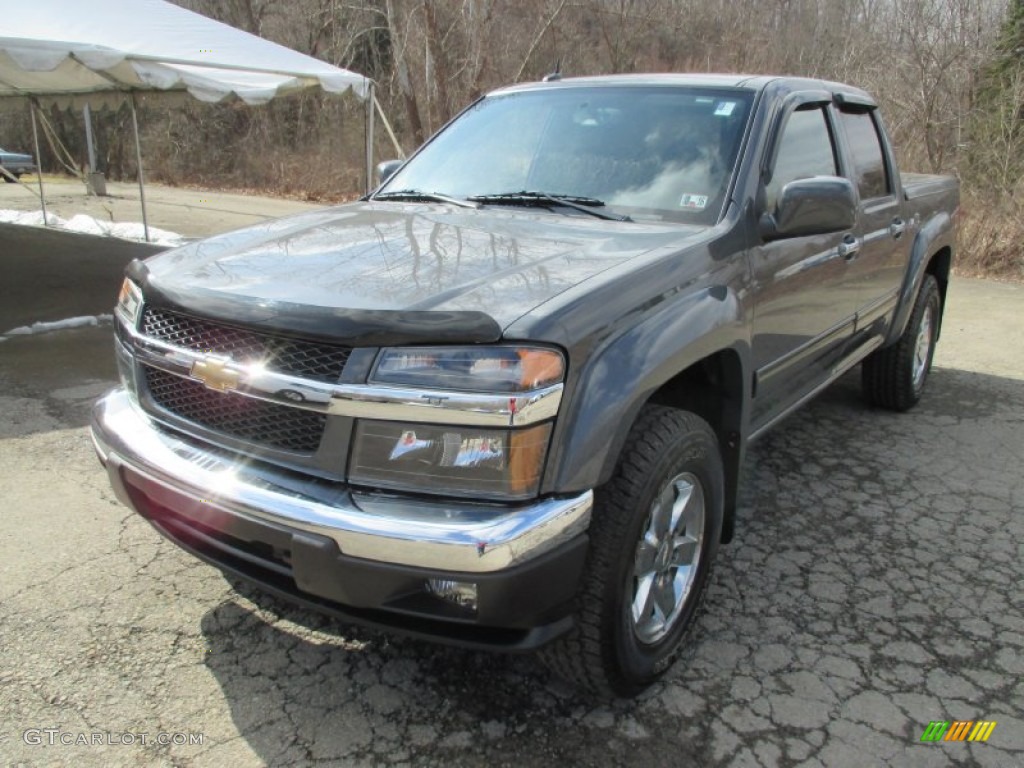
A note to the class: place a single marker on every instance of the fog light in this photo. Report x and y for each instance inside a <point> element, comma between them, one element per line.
<point>460,593</point>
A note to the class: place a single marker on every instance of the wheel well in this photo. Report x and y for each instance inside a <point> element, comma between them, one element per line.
<point>713,389</point>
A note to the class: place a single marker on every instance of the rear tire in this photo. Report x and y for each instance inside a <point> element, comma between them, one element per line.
<point>9,180</point>
<point>654,532</point>
<point>894,377</point>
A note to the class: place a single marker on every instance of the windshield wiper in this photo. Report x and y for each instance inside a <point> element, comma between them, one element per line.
<point>414,195</point>
<point>580,203</point>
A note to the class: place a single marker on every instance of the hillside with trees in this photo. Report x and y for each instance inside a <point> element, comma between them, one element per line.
<point>948,73</point>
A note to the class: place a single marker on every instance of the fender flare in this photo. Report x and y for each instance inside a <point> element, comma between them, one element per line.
<point>932,237</point>
<point>593,429</point>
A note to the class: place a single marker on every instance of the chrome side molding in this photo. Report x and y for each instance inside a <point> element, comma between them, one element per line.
<point>437,407</point>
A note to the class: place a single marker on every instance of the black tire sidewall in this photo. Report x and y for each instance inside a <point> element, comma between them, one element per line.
<point>640,664</point>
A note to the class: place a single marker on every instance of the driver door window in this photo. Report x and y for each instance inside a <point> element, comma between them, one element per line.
<point>805,150</point>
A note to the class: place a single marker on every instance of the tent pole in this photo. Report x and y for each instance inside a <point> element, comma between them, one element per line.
<point>138,160</point>
<point>89,144</point>
<point>39,161</point>
<point>389,129</point>
<point>370,98</point>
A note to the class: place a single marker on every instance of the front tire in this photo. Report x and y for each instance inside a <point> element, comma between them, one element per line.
<point>654,532</point>
<point>894,377</point>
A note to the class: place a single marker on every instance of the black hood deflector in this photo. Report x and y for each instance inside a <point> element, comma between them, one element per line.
<point>353,327</point>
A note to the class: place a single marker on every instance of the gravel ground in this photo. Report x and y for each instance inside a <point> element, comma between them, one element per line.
<point>874,586</point>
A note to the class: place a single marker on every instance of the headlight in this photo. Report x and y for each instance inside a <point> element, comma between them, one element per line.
<point>129,302</point>
<point>470,369</point>
<point>461,461</point>
<point>460,452</point>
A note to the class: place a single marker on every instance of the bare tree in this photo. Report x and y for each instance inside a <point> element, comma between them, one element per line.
<point>924,60</point>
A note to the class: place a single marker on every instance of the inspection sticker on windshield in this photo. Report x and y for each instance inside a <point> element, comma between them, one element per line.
<point>693,202</point>
<point>725,108</point>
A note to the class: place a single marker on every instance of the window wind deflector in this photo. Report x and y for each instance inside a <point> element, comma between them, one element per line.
<point>855,102</point>
<point>547,199</point>
<point>416,195</point>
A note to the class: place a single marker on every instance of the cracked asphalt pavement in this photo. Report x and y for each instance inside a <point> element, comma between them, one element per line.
<point>874,586</point>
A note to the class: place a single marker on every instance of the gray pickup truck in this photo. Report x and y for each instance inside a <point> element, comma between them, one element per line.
<point>503,400</point>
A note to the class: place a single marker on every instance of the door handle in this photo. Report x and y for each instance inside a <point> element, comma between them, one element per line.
<point>849,248</point>
<point>897,228</point>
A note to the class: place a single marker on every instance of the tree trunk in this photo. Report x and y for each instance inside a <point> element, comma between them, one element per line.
<point>398,45</point>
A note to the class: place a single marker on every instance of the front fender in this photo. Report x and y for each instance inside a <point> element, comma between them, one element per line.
<point>620,377</point>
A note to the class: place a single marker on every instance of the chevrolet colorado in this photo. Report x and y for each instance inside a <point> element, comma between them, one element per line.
<point>502,401</point>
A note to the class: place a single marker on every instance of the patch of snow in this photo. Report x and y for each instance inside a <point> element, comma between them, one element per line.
<point>56,325</point>
<point>129,230</point>
<point>29,218</point>
<point>85,224</point>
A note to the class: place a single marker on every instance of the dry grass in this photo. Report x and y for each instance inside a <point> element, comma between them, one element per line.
<point>310,176</point>
<point>990,239</point>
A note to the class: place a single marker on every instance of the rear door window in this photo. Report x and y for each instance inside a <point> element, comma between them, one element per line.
<point>869,171</point>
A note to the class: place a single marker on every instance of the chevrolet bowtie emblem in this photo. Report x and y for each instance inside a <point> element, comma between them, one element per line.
<point>215,374</point>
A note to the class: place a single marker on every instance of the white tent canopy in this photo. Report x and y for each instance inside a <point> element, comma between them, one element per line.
<point>62,47</point>
<point>71,50</point>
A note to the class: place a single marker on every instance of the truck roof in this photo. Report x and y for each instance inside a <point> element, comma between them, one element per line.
<point>752,82</point>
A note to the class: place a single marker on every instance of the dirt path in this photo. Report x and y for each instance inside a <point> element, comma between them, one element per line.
<point>189,212</point>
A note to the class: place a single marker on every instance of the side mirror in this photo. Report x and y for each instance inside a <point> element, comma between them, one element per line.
<point>814,206</point>
<point>387,169</point>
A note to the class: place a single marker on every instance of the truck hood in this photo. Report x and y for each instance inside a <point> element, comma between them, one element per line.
<point>413,261</point>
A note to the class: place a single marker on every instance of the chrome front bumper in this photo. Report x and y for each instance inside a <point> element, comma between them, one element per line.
<point>451,536</point>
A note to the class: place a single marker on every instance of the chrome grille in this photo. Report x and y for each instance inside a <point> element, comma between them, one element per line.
<point>308,359</point>
<point>247,418</point>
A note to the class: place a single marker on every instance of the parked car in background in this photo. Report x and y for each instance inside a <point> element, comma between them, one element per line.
<point>16,164</point>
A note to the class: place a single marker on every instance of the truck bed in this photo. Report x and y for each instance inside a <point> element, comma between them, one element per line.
<point>920,185</point>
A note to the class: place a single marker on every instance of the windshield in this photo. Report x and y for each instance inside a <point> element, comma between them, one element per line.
<point>652,152</point>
